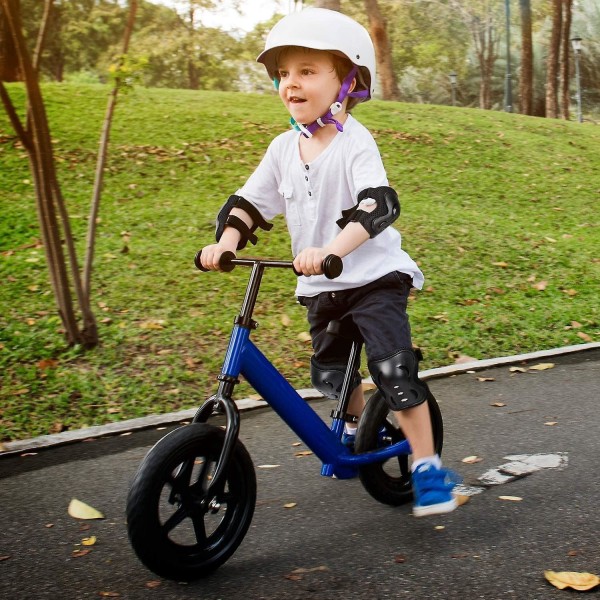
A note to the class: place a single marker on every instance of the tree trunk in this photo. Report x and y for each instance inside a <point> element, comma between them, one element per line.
<point>552,61</point>
<point>565,96</point>
<point>101,161</point>
<point>330,4</point>
<point>486,48</point>
<point>9,64</point>
<point>383,51</point>
<point>39,45</point>
<point>526,73</point>
<point>51,209</point>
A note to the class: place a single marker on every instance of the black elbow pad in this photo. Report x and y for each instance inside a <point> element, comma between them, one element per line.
<point>386,211</point>
<point>247,233</point>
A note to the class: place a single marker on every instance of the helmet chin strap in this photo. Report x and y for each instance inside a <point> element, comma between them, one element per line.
<point>329,117</point>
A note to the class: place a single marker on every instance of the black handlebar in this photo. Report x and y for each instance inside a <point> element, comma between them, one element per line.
<point>331,266</point>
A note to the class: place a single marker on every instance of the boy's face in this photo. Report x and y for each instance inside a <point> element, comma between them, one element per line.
<point>308,83</point>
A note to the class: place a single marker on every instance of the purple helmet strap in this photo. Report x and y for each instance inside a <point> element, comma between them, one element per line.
<point>328,117</point>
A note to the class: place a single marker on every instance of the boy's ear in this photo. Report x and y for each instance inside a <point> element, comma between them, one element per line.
<point>352,85</point>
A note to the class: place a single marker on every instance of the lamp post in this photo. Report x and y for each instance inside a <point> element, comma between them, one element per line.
<point>508,88</point>
<point>576,43</point>
<point>453,77</point>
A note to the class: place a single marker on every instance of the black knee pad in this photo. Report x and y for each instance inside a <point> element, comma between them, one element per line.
<point>397,378</point>
<point>328,379</point>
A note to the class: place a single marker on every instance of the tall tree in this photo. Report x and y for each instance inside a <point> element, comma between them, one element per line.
<point>565,54</point>
<point>383,51</point>
<point>69,287</point>
<point>52,213</point>
<point>552,60</point>
<point>526,71</point>
<point>482,18</point>
<point>102,156</point>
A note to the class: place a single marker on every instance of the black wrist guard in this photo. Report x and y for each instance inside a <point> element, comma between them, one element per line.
<point>386,211</point>
<point>224,218</point>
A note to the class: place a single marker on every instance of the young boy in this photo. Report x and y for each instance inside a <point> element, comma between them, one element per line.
<point>327,178</point>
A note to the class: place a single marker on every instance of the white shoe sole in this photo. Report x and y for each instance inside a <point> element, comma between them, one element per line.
<point>435,509</point>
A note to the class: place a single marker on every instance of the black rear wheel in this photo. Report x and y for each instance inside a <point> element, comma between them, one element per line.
<point>176,528</point>
<point>389,482</point>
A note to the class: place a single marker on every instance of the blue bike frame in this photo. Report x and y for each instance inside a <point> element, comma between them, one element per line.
<point>244,358</point>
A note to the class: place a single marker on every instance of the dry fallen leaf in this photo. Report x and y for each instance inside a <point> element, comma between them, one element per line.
<point>517,370</point>
<point>290,505</point>
<point>463,358</point>
<point>267,466</point>
<point>153,584</point>
<point>303,453</point>
<point>78,553</point>
<point>510,498</point>
<point>302,570</point>
<point>470,460</point>
<point>551,423</point>
<point>578,581</point>
<point>584,336</point>
<point>460,499</point>
<point>152,324</point>
<point>285,320</point>
<point>89,541</point>
<point>485,379</point>
<point>80,510</point>
<point>498,404</point>
<point>542,367</point>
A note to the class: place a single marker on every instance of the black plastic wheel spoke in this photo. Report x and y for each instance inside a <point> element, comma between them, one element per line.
<point>175,519</point>
<point>199,528</point>
<point>181,481</point>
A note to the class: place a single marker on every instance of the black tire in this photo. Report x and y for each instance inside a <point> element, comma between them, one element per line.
<point>389,482</point>
<point>176,530</point>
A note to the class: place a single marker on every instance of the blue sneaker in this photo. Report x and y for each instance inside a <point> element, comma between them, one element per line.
<point>348,439</point>
<point>432,490</point>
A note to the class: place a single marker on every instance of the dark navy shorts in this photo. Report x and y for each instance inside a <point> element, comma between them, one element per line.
<point>378,310</point>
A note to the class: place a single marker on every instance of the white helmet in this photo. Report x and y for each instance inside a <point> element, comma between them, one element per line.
<point>323,29</point>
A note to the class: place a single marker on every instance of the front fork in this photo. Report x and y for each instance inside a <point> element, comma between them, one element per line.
<point>221,403</point>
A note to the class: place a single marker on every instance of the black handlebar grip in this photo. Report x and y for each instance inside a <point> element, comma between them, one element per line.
<point>332,266</point>
<point>198,263</point>
<point>224,262</point>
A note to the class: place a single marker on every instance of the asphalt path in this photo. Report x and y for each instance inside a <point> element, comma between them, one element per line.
<point>336,541</point>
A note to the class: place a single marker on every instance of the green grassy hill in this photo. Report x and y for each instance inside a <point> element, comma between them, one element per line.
<point>500,211</point>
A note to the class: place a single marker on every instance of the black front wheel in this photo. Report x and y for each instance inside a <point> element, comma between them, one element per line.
<point>176,528</point>
<point>389,482</point>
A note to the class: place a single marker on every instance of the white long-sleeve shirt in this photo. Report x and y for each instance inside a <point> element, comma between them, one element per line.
<point>311,196</point>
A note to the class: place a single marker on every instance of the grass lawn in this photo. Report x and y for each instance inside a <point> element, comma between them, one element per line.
<point>500,211</point>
